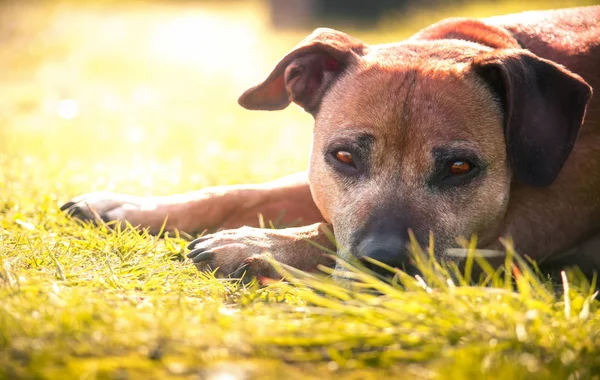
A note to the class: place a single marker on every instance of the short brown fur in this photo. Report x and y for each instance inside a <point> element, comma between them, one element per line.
<point>461,85</point>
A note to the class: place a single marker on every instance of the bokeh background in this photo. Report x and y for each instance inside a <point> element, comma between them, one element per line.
<point>141,96</point>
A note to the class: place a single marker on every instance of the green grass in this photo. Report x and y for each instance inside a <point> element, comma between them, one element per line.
<point>152,88</point>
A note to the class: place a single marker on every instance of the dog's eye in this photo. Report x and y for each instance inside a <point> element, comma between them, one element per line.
<point>346,160</point>
<point>344,157</point>
<point>455,167</point>
<point>459,168</point>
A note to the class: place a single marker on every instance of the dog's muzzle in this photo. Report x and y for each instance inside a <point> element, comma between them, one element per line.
<point>385,248</point>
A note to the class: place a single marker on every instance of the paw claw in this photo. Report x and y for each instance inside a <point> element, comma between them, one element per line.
<point>77,211</point>
<point>67,206</point>
<point>83,212</point>
<point>241,272</point>
<point>199,240</point>
<point>200,256</point>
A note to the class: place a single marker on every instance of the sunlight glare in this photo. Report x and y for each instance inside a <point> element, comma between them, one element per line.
<point>213,148</point>
<point>67,109</point>
<point>135,134</point>
<point>223,376</point>
<point>142,95</point>
<point>211,42</point>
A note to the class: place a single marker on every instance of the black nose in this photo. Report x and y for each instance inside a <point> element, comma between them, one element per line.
<point>388,249</point>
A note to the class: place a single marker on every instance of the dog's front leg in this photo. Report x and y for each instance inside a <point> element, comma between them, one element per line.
<point>287,199</point>
<point>243,252</point>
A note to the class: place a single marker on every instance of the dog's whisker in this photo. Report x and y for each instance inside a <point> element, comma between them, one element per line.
<point>463,253</point>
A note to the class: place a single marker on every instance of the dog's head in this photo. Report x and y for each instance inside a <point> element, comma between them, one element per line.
<point>424,135</point>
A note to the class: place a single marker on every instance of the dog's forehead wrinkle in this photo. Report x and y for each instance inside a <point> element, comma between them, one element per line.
<point>405,113</point>
<point>374,91</point>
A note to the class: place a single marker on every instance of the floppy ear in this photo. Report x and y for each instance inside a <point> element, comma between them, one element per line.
<point>305,73</point>
<point>544,107</point>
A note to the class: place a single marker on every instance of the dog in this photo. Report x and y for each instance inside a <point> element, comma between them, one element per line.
<point>471,127</point>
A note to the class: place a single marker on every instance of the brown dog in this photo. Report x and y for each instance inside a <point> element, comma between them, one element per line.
<point>470,127</point>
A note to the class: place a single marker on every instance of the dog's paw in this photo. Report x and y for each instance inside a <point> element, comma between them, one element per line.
<point>116,209</point>
<point>240,253</point>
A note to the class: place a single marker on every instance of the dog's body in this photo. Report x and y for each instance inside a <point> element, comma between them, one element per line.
<point>468,128</point>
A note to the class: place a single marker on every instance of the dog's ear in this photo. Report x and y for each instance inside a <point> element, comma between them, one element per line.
<point>305,73</point>
<point>544,107</point>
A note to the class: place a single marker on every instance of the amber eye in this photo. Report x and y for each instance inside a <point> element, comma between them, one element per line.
<point>344,157</point>
<point>460,167</point>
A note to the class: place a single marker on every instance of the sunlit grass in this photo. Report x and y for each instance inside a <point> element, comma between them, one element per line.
<point>141,98</point>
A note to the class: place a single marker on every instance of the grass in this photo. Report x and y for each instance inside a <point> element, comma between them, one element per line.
<point>140,98</point>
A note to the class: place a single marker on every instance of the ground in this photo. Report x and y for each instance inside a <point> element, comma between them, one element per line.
<point>141,98</point>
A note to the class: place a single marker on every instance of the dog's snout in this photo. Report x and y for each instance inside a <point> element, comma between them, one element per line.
<point>384,237</point>
<point>388,249</point>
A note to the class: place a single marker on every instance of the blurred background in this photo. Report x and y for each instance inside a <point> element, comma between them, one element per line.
<point>141,96</point>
